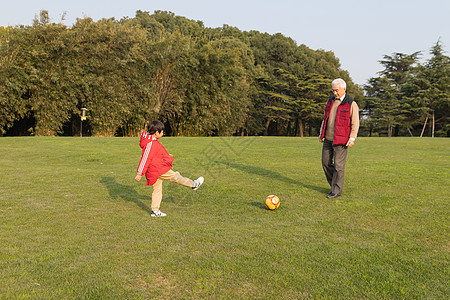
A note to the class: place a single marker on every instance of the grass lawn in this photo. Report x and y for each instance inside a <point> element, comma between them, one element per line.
<point>75,225</point>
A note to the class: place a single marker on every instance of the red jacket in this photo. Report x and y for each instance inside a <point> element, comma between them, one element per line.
<point>155,159</point>
<point>342,125</point>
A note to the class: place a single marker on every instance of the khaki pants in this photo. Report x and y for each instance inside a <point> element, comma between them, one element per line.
<point>170,176</point>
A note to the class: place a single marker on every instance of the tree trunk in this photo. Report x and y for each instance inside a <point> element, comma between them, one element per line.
<point>432,131</point>
<point>288,130</point>
<point>266,130</point>
<point>300,127</point>
<point>410,133</point>
<point>424,125</point>
<point>430,126</point>
<point>395,130</point>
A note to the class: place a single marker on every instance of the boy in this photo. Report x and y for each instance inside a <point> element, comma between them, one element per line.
<point>156,164</point>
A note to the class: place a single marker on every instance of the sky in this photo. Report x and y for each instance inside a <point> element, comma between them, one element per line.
<point>359,32</point>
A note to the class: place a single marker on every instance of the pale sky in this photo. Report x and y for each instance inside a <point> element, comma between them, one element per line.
<point>358,32</point>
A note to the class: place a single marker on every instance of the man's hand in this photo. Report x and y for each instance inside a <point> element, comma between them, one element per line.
<point>138,177</point>
<point>320,140</point>
<point>350,143</point>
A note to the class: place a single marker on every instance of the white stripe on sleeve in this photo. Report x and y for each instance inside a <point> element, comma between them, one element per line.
<point>144,157</point>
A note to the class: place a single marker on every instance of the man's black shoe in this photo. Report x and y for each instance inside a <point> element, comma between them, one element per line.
<point>332,196</point>
<point>329,193</point>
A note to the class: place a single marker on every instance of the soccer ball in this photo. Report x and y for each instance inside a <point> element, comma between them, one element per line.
<point>272,202</point>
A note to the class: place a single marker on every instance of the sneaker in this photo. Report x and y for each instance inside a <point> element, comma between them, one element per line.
<point>198,182</point>
<point>158,213</point>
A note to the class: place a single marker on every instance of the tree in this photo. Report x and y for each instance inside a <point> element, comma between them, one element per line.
<point>291,85</point>
<point>434,93</point>
<point>14,77</point>
<point>383,104</point>
<point>217,100</point>
<point>42,52</point>
<point>109,73</point>
<point>384,93</point>
<point>199,81</point>
<point>293,101</point>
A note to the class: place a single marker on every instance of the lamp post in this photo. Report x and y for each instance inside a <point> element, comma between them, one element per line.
<point>83,118</point>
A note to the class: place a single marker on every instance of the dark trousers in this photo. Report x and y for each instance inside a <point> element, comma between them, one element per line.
<point>333,163</point>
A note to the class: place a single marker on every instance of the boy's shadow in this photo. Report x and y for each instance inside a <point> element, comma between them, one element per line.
<point>126,192</point>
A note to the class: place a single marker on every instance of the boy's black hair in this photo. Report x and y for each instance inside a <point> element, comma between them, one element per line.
<point>155,126</point>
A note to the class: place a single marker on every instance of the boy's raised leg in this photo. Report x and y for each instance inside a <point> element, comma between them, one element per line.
<point>177,178</point>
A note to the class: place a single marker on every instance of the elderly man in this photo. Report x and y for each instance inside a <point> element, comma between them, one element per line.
<point>338,132</point>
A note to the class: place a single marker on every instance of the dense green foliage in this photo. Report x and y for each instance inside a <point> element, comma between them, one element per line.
<point>77,226</point>
<point>407,94</point>
<point>198,80</point>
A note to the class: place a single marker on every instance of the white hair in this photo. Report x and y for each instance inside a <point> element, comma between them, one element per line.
<point>340,82</point>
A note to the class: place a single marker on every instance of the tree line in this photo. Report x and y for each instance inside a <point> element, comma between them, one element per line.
<point>199,81</point>
<point>407,96</point>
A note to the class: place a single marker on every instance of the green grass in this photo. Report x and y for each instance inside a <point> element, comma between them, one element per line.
<point>75,225</point>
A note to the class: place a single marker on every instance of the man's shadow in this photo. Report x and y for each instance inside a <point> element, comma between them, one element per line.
<point>270,174</point>
<point>126,192</point>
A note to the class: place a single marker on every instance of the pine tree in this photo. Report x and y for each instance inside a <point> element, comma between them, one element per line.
<point>385,97</point>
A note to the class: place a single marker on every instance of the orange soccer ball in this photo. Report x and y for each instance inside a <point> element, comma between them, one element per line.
<point>272,202</point>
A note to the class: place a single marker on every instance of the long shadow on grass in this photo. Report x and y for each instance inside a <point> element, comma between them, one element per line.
<point>126,192</point>
<point>270,174</point>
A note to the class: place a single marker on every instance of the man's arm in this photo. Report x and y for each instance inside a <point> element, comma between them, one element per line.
<point>354,125</point>
<point>320,132</point>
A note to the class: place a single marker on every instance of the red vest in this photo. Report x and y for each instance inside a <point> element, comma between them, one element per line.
<point>342,125</point>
